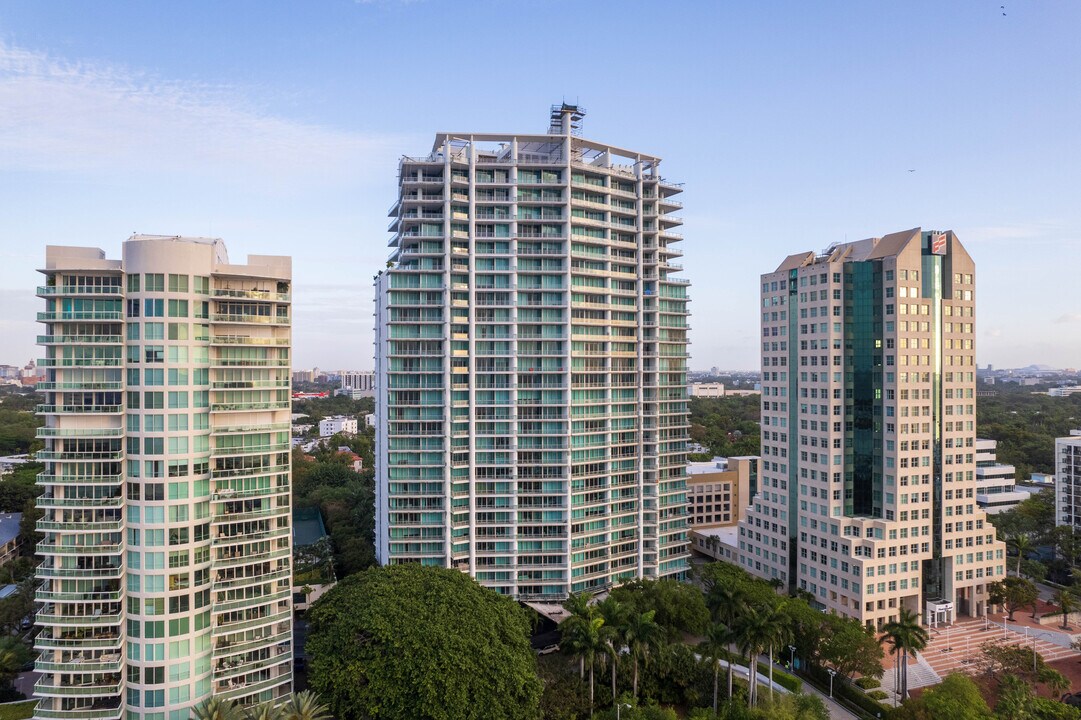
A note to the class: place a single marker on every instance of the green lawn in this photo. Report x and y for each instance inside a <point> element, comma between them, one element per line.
<point>17,710</point>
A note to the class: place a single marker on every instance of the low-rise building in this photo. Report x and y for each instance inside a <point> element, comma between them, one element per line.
<point>337,424</point>
<point>718,488</point>
<point>707,390</point>
<point>717,492</point>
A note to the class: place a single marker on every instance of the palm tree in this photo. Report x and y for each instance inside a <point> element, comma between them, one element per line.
<point>907,636</point>
<point>264,711</point>
<point>727,603</point>
<point>642,634</point>
<point>1067,602</point>
<point>780,635</point>
<point>577,606</point>
<point>615,616</point>
<point>305,705</point>
<point>715,646</point>
<point>13,655</point>
<point>217,708</point>
<point>584,637</point>
<point>754,631</point>
<point>1023,544</point>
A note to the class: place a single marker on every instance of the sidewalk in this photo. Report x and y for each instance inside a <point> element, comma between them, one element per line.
<point>836,710</point>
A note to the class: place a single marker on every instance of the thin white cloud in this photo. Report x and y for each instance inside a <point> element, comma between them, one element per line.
<point>1068,318</point>
<point>59,116</point>
<point>1034,231</point>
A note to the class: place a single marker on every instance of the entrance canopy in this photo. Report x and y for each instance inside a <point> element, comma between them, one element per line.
<point>939,612</point>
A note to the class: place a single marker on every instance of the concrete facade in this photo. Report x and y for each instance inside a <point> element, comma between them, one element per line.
<point>868,475</point>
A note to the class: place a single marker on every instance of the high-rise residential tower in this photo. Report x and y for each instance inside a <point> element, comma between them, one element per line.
<point>531,345</point>
<point>867,491</point>
<point>166,567</point>
<point>1068,480</point>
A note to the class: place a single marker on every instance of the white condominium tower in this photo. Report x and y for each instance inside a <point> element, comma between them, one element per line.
<point>867,487</point>
<point>1068,480</point>
<point>166,555</point>
<point>531,362</point>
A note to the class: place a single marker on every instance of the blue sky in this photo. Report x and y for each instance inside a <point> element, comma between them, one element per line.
<point>277,126</point>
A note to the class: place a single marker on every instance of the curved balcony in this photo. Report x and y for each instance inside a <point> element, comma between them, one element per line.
<point>78,386</point>
<point>249,406</point>
<point>46,572</point>
<point>237,559</point>
<point>236,362</point>
<point>97,639</point>
<point>233,627</point>
<point>253,579</point>
<point>45,618</point>
<point>49,595</point>
<point>81,316</point>
<point>243,340</point>
<point>226,669</point>
<point>226,647</point>
<point>80,340</point>
<point>79,409</point>
<point>49,688</point>
<point>252,602</point>
<point>249,294</point>
<point>76,456</point>
<point>44,525</point>
<point>46,432</point>
<point>49,548</point>
<point>44,479</point>
<point>236,689</point>
<point>111,709</point>
<point>80,362</point>
<point>247,319</point>
<point>89,665</point>
<point>80,290</point>
<point>228,493</point>
<point>237,473</point>
<point>249,450</point>
<point>238,429</point>
<point>48,502</point>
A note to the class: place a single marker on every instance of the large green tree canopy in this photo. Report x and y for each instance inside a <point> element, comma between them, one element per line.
<point>406,642</point>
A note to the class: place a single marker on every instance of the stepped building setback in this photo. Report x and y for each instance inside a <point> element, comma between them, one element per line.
<point>867,485</point>
<point>166,558</point>
<point>531,365</point>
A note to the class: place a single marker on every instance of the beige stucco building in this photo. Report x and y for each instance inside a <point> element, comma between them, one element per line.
<point>866,493</point>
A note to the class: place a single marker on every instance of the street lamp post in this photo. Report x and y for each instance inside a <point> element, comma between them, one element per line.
<point>620,706</point>
<point>792,661</point>
<point>832,672</point>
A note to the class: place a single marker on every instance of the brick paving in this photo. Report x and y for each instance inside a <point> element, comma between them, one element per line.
<point>964,650</point>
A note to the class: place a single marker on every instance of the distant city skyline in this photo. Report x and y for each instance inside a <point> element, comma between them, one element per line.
<point>816,124</point>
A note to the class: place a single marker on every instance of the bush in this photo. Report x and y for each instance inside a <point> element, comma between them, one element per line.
<point>868,683</point>
<point>877,694</point>
<point>847,691</point>
<point>18,711</point>
<point>788,682</point>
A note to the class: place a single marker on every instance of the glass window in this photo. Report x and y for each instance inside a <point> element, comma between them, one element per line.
<point>178,283</point>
